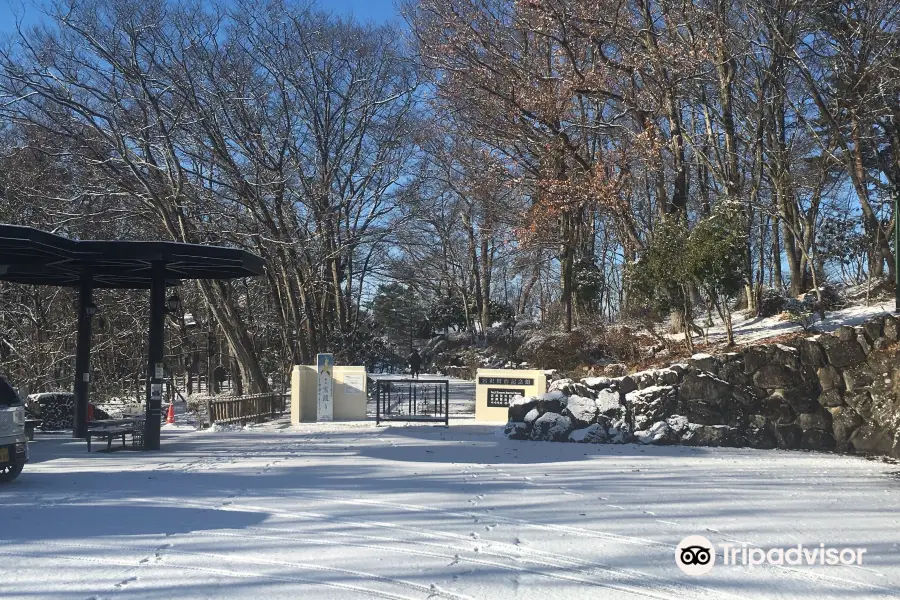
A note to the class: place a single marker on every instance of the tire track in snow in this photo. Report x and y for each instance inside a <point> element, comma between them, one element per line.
<point>590,533</point>
<point>663,586</point>
<point>432,591</point>
<point>805,575</point>
<point>645,589</point>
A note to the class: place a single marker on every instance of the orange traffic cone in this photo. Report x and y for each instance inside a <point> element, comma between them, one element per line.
<point>170,418</point>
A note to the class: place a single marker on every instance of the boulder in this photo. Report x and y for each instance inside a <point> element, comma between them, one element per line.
<point>817,439</point>
<point>644,379</point>
<point>733,373</point>
<point>651,405</point>
<point>582,411</point>
<point>579,389</point>
<point>708,400</point>
<point>680,369</point>
<point>873,328</point>
<point>789,437</point>
<point>759,433</point>
<point>561,385</point>
<point>626,385</point>
<point>551,427</point>
<point>830,378</point>
<point>707,435</point>
<point>881,344</point>
<point>845,333</point>
<point>658,433</point>
<point>831,399</point>
<point>619,432</point>
<point>754,358</point>
<point>776,375</point>
<point>553,402</point>
<point>840,352</point>
<point>803,399</point>
<point>777,410</point>
<point>868,438</point>
<point>704,362</point>
<point>858,378</point>
<point>865,343</point>
<point>668,377</point>
<point>608,403</point>
<point>516,431</point>
<point>597,383</point>
<point>702,386</point>
<point>820,421</point>
<point>861,402</point>
<point>531,417</point>
<point>592,434</point>
<point>784,355</point>
<point>811,353</point>
<point>678,424</point>
<point>884,370</point>
<point>520,407</point>
<point>844,421</point>
<point>891,328</point>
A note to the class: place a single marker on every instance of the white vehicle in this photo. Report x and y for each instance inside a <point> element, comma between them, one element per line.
<point>13,443</point>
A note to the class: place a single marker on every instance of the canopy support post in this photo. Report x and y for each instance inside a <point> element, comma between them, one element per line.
<point>83,355</point>
<point>155,351</point>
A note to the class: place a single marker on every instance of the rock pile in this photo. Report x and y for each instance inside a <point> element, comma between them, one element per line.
<point>830,392</point>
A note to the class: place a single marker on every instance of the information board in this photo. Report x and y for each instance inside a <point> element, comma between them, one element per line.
<point>501,398</point>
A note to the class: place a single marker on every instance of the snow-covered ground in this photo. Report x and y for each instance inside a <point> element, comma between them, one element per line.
<point>345,511</point>
<point>757,329</point>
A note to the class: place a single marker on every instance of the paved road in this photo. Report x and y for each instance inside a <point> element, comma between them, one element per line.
<point>462,393</point>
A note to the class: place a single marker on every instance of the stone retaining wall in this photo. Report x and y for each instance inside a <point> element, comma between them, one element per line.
<point>837,391</point>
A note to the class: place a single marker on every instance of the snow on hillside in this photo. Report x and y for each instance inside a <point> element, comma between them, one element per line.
<point>756,329</point>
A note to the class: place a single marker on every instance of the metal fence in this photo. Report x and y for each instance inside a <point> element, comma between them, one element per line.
<point>254,408</point>
<point>412,400</point>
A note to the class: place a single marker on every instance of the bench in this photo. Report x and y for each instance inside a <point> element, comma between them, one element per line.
<point>109,429</point>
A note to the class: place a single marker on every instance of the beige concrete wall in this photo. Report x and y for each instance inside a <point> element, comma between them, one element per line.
<point>349,394</point>
<point>506,382</point>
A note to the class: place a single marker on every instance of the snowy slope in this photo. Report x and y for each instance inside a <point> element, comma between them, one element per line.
<point>345,512</point>
<point>757,329</point>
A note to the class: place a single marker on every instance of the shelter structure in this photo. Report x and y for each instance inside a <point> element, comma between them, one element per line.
<point>35,257</point>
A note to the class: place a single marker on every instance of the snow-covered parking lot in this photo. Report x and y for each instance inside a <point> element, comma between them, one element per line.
<point>351,511</point>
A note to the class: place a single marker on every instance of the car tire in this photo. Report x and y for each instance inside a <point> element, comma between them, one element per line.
<point>10,472</point>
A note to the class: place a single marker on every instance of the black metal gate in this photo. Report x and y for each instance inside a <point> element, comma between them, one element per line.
<point>426,400</point>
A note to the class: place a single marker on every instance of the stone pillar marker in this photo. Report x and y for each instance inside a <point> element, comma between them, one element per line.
<point>325,387</point>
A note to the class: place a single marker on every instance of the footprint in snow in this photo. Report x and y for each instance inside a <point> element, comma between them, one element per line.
<point>125,582</point>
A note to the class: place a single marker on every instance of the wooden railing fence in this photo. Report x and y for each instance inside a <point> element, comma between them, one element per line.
<point>255,408</point>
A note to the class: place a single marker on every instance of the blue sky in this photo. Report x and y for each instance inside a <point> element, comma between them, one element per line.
<point>364,10</point>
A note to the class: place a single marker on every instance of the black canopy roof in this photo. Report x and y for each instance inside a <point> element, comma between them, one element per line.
<point>28,255</point>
